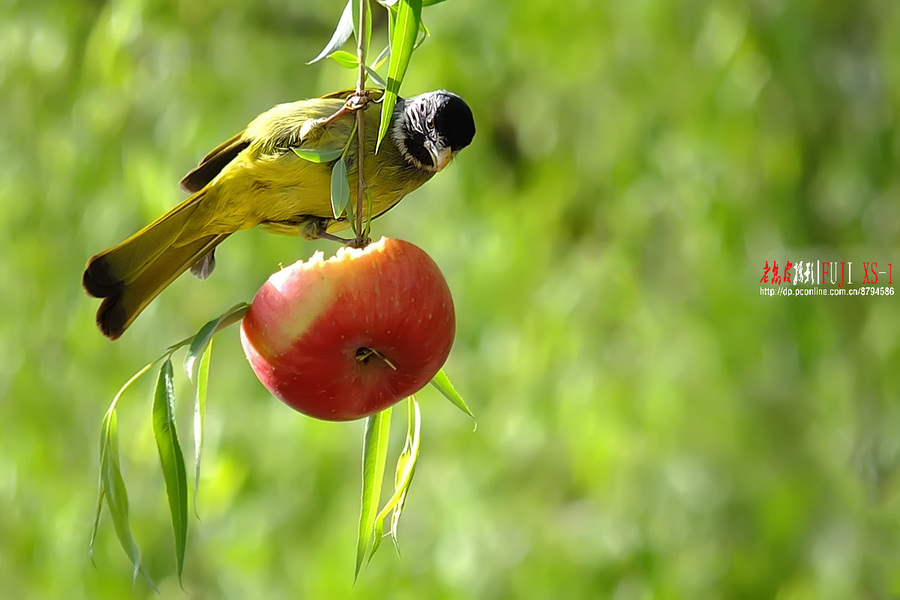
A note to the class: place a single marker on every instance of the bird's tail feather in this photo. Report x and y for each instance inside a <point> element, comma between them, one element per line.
<point>129,276</point>
<point>108,271</point>
<point>119,310</point>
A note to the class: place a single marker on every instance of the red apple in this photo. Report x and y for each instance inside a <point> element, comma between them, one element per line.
<point>346,337</point>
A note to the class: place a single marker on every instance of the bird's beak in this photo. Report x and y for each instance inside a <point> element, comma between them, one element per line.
<point>440,154</point>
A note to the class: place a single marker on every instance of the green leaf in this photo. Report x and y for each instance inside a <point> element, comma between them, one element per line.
<point>319,155</point>
<point>200,416</point>
<point>116,496</point>
<point>375,447</point>
<point>340,189</point>
<point>432,2</point>
<point>407,461</point>
<point>341,34</point>
<point>425,35</point>
<point>382,56</point>
<point>345,59</point>
<point>171,459</point>
<point>198,345</point>
<point>442,383</point>
<point>406,468</point>
<point>98,509</point>
<point>403,38</point>
<point>375,77</point>
<point>106,438</point>
<point>204,337</point>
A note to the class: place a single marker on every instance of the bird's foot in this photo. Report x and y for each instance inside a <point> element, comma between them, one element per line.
<point>360,241</point>
<point>358,100</point>
<point>354,103</point>
<point>324,235</point>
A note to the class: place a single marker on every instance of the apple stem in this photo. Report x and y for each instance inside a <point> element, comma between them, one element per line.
<point>364,354</point>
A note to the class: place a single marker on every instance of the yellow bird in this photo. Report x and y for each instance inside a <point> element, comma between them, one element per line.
<point>256,178</point>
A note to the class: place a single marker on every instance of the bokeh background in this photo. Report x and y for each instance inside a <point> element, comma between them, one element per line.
<point>649,426</point>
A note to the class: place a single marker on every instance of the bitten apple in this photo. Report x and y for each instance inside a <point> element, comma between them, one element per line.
<point>346,337</point>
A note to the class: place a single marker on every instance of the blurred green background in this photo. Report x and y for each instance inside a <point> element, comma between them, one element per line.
<point>649,425</point>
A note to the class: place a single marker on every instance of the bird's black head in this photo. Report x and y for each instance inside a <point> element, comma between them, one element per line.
<point>432,128</point>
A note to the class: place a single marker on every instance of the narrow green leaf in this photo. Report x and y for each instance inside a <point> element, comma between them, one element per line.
<point>104,445</point>
<point>409,458</point>
<point>442,383</point>
<point>425,35</point>
<point>104,450</point>
<point>432,2</point>
<point>317,155</point>
<point>233,315</point>
<point>203,337</point>
<point>341,34</point>
<point>382,56</point>
<point>345,59</point>
<point>117,497</point>
<point>115,492</point>
<point>375,447</point>
<point>369,21</point>
<point>96,525</point>
<point>403,38</point>
<point>200,416</point>
<point>198,345</point>
<point>171,459</point>
<point>406,466</point>
<point>375,77</point>
<point>340,189</point>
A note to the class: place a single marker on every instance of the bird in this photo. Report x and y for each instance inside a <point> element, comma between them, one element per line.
<point>257,178</point>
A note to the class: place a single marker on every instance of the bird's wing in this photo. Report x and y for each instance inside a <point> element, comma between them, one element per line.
<point>374,94</point>
<point>280,128</point>
<point>307,124</point>
<point>213,163</point>
<point>325,135</point>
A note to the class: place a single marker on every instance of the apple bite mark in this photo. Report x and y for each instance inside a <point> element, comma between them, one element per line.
<point>298,306</point>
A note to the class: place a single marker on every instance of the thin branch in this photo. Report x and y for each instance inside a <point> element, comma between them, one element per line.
<point>361,123</point>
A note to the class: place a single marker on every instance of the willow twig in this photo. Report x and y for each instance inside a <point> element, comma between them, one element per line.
<point>360,125</point>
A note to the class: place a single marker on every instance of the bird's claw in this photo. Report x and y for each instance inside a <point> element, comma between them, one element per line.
<point>354,102</point>
<point>360,241</point>
<point>358,100</point>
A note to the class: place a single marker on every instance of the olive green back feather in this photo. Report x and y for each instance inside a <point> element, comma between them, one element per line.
<point>254,178</point>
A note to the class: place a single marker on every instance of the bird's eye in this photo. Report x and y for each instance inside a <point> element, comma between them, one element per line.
<point>430,123</point>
